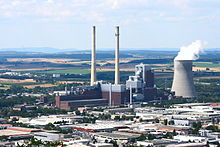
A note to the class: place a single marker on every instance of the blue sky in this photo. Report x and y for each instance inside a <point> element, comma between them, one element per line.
<point>143,23</point>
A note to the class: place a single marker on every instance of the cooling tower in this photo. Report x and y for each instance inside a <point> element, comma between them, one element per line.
<point>183,79</point>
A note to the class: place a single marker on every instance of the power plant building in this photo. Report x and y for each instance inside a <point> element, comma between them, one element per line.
<point>100,93</point>
<point>116,94</point>
<point>108,94</point>
<point>81,96</point>
<point>142,84</point>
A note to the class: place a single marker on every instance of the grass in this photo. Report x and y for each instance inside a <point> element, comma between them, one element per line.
<point>4,88</point>
<point>206,64</point>
<point>67,71</point>
<point>75,79</point>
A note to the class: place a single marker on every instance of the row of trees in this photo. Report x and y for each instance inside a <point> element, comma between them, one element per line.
<point>33,142</point>
<point>6,112</point>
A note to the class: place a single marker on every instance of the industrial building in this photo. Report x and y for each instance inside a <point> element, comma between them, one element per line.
<point>141,86</point>
<point>48,136</point>
<point>102,126</point>
<point>115,135</point>
<point>181,115</point>
<point>81,96</point>
<point>18,133</point>
<point>44,120</point>
<point>101,93</point>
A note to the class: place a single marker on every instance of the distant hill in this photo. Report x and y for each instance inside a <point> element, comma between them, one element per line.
<point>38,50</point>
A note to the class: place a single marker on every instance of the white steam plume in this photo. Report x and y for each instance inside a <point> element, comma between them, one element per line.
<point>192,51</point>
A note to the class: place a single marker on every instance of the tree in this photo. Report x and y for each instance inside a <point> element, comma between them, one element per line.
<point>35,142</point>
<point>171,122</point>
<point>213,128</point>
<point>141,137</point>
<point>151,136</point>
<point>213,121</point>
<point>174,132</point>
<point>123,117</point>
<point>132,140</point>
<point>104,116</point>
<point>156,120</point>
<point>117,117</point>
<point>114,143</point>
<point>168,135</point>
<point>3,138</point>
<point>196,126</point>
<point>93,120</point>
<point>165,121</point>
<point>207,144</point>
<point>77,112</point>
<point>49,126</point>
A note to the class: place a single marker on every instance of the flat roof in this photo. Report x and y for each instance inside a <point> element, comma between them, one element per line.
<point>78,145</point>
<point>4,125</point>
<point>22,129</point>
<point>7,132</point>
<point>117,135</point>
<point>193,104</point>
<point>101,125</point>
<point>155,141</point>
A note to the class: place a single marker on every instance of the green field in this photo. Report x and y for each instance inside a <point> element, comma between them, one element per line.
<point>67,71</point>
<point>206,64</point>
<point>4,87</point>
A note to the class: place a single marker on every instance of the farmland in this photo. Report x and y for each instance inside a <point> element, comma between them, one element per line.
<point>68,71</point>
<point>16,81</point>
<point>39,85</point>
<point>75,68</point>
<point>206,64</point>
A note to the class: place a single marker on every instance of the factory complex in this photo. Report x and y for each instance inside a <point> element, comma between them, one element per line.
<point>138,88</point>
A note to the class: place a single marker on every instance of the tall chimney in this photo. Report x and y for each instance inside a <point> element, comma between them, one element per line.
<point>93,57</point>
<point>117,76</point>
<point>183,79</point>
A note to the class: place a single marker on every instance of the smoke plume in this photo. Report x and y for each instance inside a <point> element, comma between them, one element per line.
<point>192,51</point>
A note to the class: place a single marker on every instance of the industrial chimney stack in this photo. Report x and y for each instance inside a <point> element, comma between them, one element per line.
<point>117,76</point>
<point>183,85</point>
<point>93,57</point>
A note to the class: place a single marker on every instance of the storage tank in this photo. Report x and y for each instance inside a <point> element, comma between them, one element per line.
<point>183,85</point>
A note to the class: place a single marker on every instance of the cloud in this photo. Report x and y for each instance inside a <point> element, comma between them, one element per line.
<point>94,16</point>
<point>178,3</point>
<point>50,1</point>
<point>174,18</point>
<point>125,11</point>
<point>117,4</point>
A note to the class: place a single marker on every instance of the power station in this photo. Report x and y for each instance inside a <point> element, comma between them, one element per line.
<point>101,93</point>
<point>183,79</point>
<point>138,88</point>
